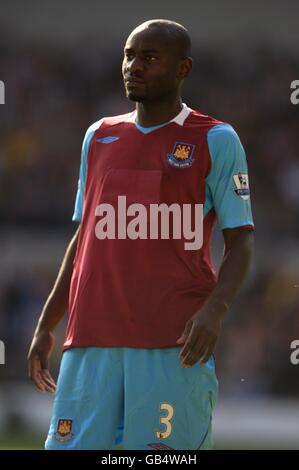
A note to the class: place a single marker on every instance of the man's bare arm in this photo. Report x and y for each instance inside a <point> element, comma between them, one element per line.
<point>53,311</point>
<point>202,330</point>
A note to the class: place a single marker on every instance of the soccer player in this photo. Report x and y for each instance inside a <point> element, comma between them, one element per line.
<point>145,312</point>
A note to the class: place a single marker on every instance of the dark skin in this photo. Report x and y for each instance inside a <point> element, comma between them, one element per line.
<point>202,330</point>
<point>154,68</point>
<point>54,309</point>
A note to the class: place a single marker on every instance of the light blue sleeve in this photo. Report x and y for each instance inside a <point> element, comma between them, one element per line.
<point>227,186</point>
<point>77,216</point>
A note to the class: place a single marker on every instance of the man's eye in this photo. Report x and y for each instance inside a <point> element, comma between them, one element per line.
<point>129,56</point>
<point>151,58</point>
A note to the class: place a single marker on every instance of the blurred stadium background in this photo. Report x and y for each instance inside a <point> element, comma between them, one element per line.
<point>60,62</point>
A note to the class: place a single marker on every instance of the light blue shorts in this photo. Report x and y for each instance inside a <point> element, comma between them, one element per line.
<point>133,398</point>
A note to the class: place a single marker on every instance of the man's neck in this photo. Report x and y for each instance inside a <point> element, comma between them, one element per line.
<point>153,114</point>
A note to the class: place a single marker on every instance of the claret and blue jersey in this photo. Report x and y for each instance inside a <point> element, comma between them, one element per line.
<point>131,291</point>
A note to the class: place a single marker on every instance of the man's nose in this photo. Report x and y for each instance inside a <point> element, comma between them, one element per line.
<point>135,65</point>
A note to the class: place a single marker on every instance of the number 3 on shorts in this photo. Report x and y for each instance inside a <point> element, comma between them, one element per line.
<point>166,421</point>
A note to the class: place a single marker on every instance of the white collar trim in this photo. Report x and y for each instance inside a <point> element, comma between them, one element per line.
<point>178,119</point>
<point>182,116</point>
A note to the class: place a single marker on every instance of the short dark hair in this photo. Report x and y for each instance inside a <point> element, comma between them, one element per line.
<point>175,32</point>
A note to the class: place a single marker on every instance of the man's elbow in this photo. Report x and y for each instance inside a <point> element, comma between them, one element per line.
<point>249,242</point>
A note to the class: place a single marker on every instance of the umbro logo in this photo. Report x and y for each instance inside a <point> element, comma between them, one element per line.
<point>108,139</point>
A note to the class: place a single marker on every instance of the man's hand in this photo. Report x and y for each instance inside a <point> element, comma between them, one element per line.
<point>199,338</point>
<point>38,359</point>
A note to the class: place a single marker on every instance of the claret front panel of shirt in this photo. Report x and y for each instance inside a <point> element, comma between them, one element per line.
<point>140,292</point>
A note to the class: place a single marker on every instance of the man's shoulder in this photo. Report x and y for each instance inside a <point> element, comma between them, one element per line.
<point>223,134</point>
<point>109,121</point>
<point>198,119</point>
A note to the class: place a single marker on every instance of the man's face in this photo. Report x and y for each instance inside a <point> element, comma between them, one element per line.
<point>150,66</point>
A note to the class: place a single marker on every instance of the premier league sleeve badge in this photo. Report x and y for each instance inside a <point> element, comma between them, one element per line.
<point>242,185</point>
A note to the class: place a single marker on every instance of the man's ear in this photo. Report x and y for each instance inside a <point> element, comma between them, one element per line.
<point>184,68</point>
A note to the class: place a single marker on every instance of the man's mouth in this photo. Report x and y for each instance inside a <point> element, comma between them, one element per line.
<point>134,81</point>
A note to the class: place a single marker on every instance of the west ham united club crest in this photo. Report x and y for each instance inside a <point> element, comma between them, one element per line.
<point>64,428</point>
<point>182,155</point>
